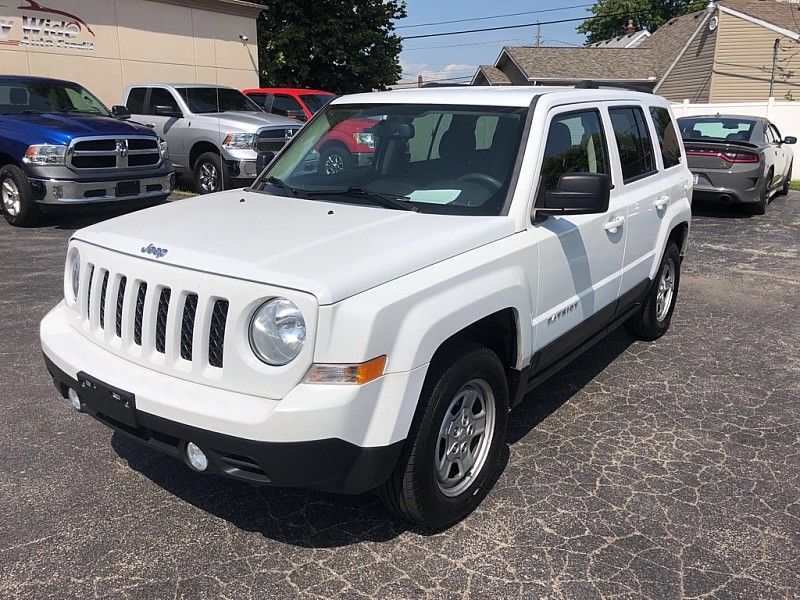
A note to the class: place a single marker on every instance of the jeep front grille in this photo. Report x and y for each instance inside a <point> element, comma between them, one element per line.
<point>272,140</point>
<point>113,153</point>
<point>142,316</point>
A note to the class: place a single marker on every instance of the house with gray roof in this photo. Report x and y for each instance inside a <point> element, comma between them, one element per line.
<point>722,54</point>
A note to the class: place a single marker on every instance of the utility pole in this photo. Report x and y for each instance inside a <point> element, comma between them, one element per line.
<point>538,34</point>
<point>775,47</point>
<point>419,80</point>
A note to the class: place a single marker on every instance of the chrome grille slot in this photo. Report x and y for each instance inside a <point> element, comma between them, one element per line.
<point>89,290</point>
<point>161,320</point>
<point>120,299</point>
<point>103,300</point>
<point>187,326</point>
<point>216,335</point>
<point>138,316</point>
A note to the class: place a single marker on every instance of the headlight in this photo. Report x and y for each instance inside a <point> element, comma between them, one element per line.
<point>240,141</point>
<point>277,332</point>
<point>45,154</point>
<point>163,149</point>
<point>365,139</point>
<point>72,274</point>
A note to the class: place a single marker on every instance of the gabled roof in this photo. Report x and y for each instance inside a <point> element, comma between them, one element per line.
<point>492,75</point>
<point>628,40</point>
<point>783,16</point>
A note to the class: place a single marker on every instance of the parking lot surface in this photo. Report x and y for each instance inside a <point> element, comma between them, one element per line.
<point>659,470</point>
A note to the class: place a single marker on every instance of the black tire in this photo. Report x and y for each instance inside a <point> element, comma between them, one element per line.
<point>413,490</point>
<point>335,159</point>
<point>787,181</point>
<point>760,207</point>
<point>27,213</point>
<point>645,324</point>
<point>209,174</point>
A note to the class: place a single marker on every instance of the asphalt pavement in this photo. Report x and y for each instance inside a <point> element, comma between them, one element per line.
<point>643,470</point>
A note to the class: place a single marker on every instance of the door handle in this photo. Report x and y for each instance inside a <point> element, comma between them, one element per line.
<point>661,203</point>
<point>150,125</point>
<point>614,224</point>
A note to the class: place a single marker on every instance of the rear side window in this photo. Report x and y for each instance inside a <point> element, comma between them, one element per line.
<point>633,142</point>
<point>260,99</point>
<point>136,100</point>
<point>575,144</point>
<point>161,97</point>
<point>667,136</point>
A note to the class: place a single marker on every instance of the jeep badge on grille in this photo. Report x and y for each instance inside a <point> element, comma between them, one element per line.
<point>155,251</point>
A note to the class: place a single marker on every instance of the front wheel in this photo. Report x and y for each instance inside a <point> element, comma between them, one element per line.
<point>453,450</point>
<point>335,159</point>
<point>210,174</point>
<point>653,319</point>
<point>18,206</point>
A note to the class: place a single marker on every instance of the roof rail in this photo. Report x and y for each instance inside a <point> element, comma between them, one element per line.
<point>589,84</point>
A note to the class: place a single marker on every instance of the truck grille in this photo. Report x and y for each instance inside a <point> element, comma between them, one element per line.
<point>142,315</point>
<point>113,153</point>
<point>272,140</point>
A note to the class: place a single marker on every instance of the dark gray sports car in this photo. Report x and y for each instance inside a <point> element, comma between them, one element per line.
<point>737,159</point>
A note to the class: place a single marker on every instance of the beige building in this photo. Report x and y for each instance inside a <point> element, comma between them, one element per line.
<point>108,44</point>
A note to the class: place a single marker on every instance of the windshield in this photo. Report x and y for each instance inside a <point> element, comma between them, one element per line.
<point>20,97</point>
<point>216,100</point>
<point>428,158</point>
<point>716,129</point>
<point>315,102</point>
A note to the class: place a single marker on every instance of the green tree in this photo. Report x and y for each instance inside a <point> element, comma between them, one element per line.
<point>343,46</point>
<point>611,16</point>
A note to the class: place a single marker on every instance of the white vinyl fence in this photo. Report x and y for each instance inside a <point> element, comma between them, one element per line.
<point>785,115</point>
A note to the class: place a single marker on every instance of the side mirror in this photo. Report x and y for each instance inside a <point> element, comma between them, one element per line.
<point>576,194</point>
<point>120,112</point>
<point>790,139</point>
<point>167,111</point>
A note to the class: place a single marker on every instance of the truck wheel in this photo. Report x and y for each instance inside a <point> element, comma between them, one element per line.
<point>209,174</point>
<point>19,207</point>
<point>335,159</point>
<point>653,319</point>
<point>453,449</point>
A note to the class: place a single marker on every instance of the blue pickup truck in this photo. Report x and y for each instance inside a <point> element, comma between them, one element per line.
<point>61,147</point>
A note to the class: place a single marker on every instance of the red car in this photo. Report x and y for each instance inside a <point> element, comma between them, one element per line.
<point>297,103</point>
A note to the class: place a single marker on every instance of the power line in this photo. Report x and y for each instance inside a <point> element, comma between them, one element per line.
<point>429,35</point>
<point>529,12</point>
<point>467,44</point>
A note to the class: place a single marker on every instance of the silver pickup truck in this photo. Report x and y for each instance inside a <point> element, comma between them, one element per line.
<point>214,133</point>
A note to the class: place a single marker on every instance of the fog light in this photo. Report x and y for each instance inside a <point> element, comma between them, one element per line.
<point>57,193</point>
<point>197,458</point>
<point>74,399</point>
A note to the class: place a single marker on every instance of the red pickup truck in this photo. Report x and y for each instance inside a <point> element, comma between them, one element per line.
<point>347,145</point>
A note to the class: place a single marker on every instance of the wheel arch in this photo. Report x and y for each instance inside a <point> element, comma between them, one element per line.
<point>200,148</point>
<point>7,159</point>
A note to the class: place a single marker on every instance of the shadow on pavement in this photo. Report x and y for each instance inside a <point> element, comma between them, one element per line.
<point>721,211</point>
<point>319,520</point>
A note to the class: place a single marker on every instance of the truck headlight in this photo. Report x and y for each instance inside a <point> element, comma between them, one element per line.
<point>45,154</point>
<point>277,332</point>
<point>163,148</point>
<point>365,139</point>
<point>72,274</point>
<point>240,141</point>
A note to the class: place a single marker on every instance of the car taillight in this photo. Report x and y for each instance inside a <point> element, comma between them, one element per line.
<point>728,155</point>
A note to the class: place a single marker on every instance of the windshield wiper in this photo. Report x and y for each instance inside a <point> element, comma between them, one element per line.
<point>384,199</point>
<point>81,112</point>
<point>281,184</point>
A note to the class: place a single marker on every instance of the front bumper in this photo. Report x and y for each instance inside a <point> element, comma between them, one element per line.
<point>68,192</point>
<point>342,439</point>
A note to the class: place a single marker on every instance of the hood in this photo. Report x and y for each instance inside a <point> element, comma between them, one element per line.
<point>246,122</point>
<point>330,250</point>
<point>57,128</point>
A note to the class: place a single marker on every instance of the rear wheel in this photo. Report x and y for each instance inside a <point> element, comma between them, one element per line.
<point>760,207</point>
<point>454,447</point>
<point>653,319</point>
<point>787,181</point>
<point>18,206</point>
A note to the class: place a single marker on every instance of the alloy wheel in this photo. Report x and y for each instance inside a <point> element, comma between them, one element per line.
<point>334,163</point>
<point>666,290</point>
<point>11,199</point>
<point>208,177</point>
<point>465,437</point>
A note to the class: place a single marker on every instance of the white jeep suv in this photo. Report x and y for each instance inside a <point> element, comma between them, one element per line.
<point>371,328</point>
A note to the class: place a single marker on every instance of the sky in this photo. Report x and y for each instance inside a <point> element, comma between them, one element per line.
<point>451,56</point>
